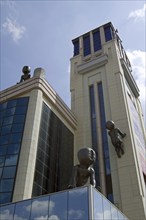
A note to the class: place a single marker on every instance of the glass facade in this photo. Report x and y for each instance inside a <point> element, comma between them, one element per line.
<point>12,120</point>
<point>72,204</point>
<point>94,132</point>
<point>105,146</point>
<point>54,160</point>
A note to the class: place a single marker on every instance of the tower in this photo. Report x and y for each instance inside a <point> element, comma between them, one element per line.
<point>103,88</point>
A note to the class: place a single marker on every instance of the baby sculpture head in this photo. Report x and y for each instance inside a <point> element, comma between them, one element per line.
<point>86,156</point>
<point>110,125</point>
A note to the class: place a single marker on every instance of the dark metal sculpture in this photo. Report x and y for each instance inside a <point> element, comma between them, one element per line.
<point>83,171</point>
<point>26,70</point>
<point>116,137</point>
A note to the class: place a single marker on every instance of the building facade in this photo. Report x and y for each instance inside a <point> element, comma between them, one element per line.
<point>40,136</point>
<point>103,89</point>
<point>36,140</point>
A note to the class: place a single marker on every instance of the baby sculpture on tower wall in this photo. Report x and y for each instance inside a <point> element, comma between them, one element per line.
<point>116,137</point>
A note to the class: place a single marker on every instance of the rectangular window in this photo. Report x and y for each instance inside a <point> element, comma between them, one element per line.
<point>108,33</point>
<point>105,142</point>
<point>76,47</point>
<point>94,132</point>
<point>96,41</point>
<point>86,45</point>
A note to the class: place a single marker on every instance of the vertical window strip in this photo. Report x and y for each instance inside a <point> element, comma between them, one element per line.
<point>108,33</point>
<point>96,41</point>
<point>76,47</point>
<point>105,143</point>
<point>86,45</point>
<point>94,133</point>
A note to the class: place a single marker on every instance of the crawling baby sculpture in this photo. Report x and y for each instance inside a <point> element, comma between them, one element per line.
<point>83,171</point>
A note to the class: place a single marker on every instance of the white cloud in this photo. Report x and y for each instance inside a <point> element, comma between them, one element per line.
<point>75,214</point>
<point>14,29</point>
<point>54,217</point>
<point>138,14</point>
<point>138,63</point>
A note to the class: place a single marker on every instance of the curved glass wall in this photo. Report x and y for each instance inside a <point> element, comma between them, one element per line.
<point>12,120</point>
<point>82,203</point>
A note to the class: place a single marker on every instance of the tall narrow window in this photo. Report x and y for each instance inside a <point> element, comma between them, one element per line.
<point>108,33</point>
<point>86,44</point>
<point>105,144</point>
<point>76,47</point>
<point>94,133</point>
<point>96,41</point>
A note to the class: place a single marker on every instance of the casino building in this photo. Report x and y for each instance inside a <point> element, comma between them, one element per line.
<point>40,136</point>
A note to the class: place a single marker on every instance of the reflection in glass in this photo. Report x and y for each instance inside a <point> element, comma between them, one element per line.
<point>22,210</point>
<point>58,206</point>
<point>106,209</point>
<point>9,172</point>
<point>98,208</point>
<point>8,120</point>
<point>6,212</point>
<point>15,138</point>
<point>2,161</point>
<point>78,204</point>
<point>114,213</point>
<point>6,185</point>
<point>11,160</point>
<point>5,198</point>
<point>13,148</point>
<point>40,208</point>
<point>3,150</point>
<point>6,129</point>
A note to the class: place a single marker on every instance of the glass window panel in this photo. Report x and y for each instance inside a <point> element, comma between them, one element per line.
<point>13,148</point>
<point>12,103</point>
<point>5,198</point>
<point>7,212</point>
<point>78,204</point>
<point>22,210</point>
<point>40,208</point>
<point>2,159</point>
<point>19,118</point>
<point>11,160</point>
<point>121,216</point>
<point>3,150</point>
<point>98,207</point>
<point>15,138</point>
<point>58,206</point>
<point>1,169</point>
<point>10,111</point>
<point>6,185</point>
<point>22,101</point>
<point>20,110</point>
<point>4,139</point>
<point>6,129</point>
<point>17,128</point>
<point>8,120</point>
<point>9,172</point>
<point>3,106</point>
<point>114,213</point>
<point>106,209</point>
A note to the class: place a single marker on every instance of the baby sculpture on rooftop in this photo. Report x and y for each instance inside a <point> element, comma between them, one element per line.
<point>83,171</point>
<point>116,137</point>
<point>26,70</point>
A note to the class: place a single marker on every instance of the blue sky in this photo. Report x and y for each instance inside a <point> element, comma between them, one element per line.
<point>39,34</point>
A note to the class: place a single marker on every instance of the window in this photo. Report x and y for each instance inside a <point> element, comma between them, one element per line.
<point>108,33</point>
<point>94,132</point>
<point>105,142</point>
<point>86,45</point>
<point>12,115</point>
<point>76,47</point>
<point>96,41</point>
